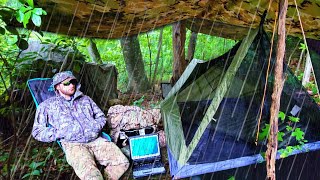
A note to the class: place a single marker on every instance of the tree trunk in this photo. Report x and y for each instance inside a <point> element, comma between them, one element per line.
<point>272,145</point>
<point>157,58</point>
<point>138,81</point>
<point>94,53</point>
<point>179,62</point>
<point>192,46</point>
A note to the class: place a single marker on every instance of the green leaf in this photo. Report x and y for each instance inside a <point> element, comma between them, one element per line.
<point>49,150</point>
<point>22,1</point>
<point>281,115</point>
<point>26,175</point>
<point>286,152</point>
<point>4,170</point>
<point>44,12</point>
<point>38,11</point>
<point>294,119</point>
<point>231,178</point>
<point>138,102</point>
<point>20,16</point>
<point>298,134</point>
<point>22,44</point>
<point>33,173</point>
<point>24,9</point>
<point>264,133</point>
<point>2,31</point>
<point>302,46</point>
<point>30,2</point>
<point>288,128</point>
<point>13,39</point>
<point>35,165</point>
<point>4,157</point>
<point>36,19</point>
<point>280,136</point>
<point>26,18</point>
<point>283,153</point>
<point>36,172</point>
<point>314,90</point>
<point>34,151</point>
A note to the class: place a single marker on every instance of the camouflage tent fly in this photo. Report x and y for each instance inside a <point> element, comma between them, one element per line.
<point>211,114</point>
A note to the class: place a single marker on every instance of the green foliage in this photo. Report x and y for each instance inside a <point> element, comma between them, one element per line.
<point>298,134</point>
<point>3,2</point>
<point>3,159</point>
<point>287,151</point>
<point>312,87</point>
<point>317,99</point>
<point>282,116</point>
<point>280,136</point>
<point>111,52</point>
<point>303,46</point>
<point>11,67</point>
<point>232,178</point>
<point>34,163</point>
<point>139,102</point>
<point>25,13</point>
<point>22,11</point>
<point>300,76</point>
<point>264,133</point>
<point>210,47</point>
<point>35,167</point>
<point>294,119</point>
<point>290,128</point>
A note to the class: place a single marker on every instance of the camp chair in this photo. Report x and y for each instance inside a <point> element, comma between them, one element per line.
<point>42,89</point>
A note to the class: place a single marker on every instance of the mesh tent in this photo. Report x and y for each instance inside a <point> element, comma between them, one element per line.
<point>211,114</point>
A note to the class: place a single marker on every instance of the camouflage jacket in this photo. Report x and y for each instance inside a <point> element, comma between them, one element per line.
<point>78,120</point>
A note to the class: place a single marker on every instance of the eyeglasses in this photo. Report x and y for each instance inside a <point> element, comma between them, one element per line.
<point>72,81</point>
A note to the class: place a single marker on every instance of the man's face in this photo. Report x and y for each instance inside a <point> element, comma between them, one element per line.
<point>67,87</point>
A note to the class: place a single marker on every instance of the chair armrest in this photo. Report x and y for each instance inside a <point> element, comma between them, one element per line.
<point>105,136</point>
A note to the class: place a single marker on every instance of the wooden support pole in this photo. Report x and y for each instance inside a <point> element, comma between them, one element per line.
<point>178,40</point>
<point>192,46</point>
<point>272,145</point>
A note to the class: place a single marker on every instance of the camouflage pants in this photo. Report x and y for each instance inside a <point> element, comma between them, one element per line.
<point>83,156</point>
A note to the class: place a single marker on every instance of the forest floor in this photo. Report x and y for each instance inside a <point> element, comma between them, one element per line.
<point>37,160</point>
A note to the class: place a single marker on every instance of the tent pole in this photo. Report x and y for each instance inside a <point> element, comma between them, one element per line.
<point>272,145</point>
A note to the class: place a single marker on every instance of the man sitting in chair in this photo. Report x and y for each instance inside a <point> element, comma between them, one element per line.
<point>76,121</point>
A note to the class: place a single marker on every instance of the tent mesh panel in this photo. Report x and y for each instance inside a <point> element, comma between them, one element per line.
<point>233,133</point>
